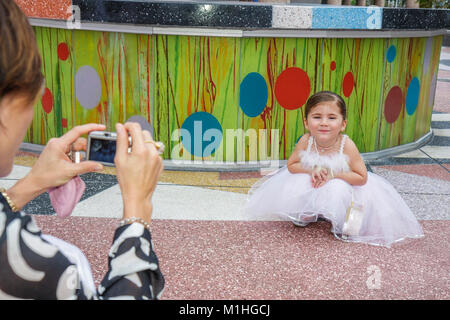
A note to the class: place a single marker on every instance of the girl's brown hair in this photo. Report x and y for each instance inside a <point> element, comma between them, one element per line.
<point>20,61</point>
<point>325,96</point>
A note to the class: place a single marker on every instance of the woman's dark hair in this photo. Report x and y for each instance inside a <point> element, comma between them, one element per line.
<point>20,61</point>
<point>325,96</point>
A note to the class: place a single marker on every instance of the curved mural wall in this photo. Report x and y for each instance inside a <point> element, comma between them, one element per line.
<point>234,99</point>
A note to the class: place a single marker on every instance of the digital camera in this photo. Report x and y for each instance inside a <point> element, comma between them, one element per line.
<point>101,147</point>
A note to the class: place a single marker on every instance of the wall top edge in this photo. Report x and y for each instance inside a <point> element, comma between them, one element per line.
<point>244,15</point>
<point>244,33</point>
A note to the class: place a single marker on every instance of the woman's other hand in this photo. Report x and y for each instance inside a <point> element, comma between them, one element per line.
<point>138,171</point>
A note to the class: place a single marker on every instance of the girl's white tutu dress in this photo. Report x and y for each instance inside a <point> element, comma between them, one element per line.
<point>384,216</point>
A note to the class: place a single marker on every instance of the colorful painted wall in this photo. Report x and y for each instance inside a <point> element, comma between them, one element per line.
<point>210,87</point>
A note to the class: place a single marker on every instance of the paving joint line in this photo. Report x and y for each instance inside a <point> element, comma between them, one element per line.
<point>440,164</point>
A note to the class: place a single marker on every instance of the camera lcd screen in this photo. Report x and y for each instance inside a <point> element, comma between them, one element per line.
<point>102,150</point>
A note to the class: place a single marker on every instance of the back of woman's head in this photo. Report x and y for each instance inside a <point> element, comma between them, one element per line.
<point>20,61</point>
<point>325,96</point>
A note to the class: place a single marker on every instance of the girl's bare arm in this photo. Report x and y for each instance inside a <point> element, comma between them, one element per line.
<point>357,176</point>
<point>294,165</point>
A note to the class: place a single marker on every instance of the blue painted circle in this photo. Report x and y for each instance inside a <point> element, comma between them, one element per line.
<point>391,53</point>
<point>412,96</point>
<point>253,94</point>
<point>201,134</point>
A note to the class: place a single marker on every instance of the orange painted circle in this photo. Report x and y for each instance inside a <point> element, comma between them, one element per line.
<point>47,101</point>
<point>292,88</point>
<point>347,84</point>
<point>333,65</point>
<point>63,51</point>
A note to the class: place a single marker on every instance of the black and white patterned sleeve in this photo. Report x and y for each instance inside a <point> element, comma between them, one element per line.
<point>133,266</point>
<point>37,266</point>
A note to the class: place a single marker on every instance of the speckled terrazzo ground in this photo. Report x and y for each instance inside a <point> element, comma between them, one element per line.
<point>203,256</point>
<point>216,259</point>
<point>274,260</point>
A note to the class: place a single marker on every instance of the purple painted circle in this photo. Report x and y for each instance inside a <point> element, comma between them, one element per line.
<point>427,55</point>
<point>145,125</point>
<point>88,87</point>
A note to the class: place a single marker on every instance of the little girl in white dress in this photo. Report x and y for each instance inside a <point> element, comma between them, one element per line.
<point>326,178</point>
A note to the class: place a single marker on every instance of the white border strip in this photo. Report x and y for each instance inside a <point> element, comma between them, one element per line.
<point>197,31</point>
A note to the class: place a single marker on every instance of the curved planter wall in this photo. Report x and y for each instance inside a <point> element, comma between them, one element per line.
<point>235,94</point>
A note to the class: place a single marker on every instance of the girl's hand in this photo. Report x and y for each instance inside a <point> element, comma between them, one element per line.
<point>53,167</point>
<point>138,171</point>
<point>319,177</point>
<point>322,182</point>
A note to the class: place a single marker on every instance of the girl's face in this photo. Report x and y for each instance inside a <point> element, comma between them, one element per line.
<point>325,121</point>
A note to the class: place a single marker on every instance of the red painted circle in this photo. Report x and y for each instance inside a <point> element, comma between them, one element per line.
<point>63,51</point>
<point>292,88</point>
<point>393,104</point>
<point>47,101</point>
<point>64,122</point>
<point>347,84</point>
<point>333,65</point>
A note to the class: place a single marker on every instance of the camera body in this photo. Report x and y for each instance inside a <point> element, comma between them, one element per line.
<point>101,147</point>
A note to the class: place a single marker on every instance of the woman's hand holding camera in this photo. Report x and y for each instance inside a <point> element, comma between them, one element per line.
<point>137,171</point>
<point>53,167</point>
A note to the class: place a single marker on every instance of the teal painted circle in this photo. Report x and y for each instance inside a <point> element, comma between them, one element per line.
<point>391,54</point>
<point>253,94</point>
<point>201,134</point>
<point>412,96</point>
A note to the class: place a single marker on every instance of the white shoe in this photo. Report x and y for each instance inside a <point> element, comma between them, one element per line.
<point>299,223</point>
